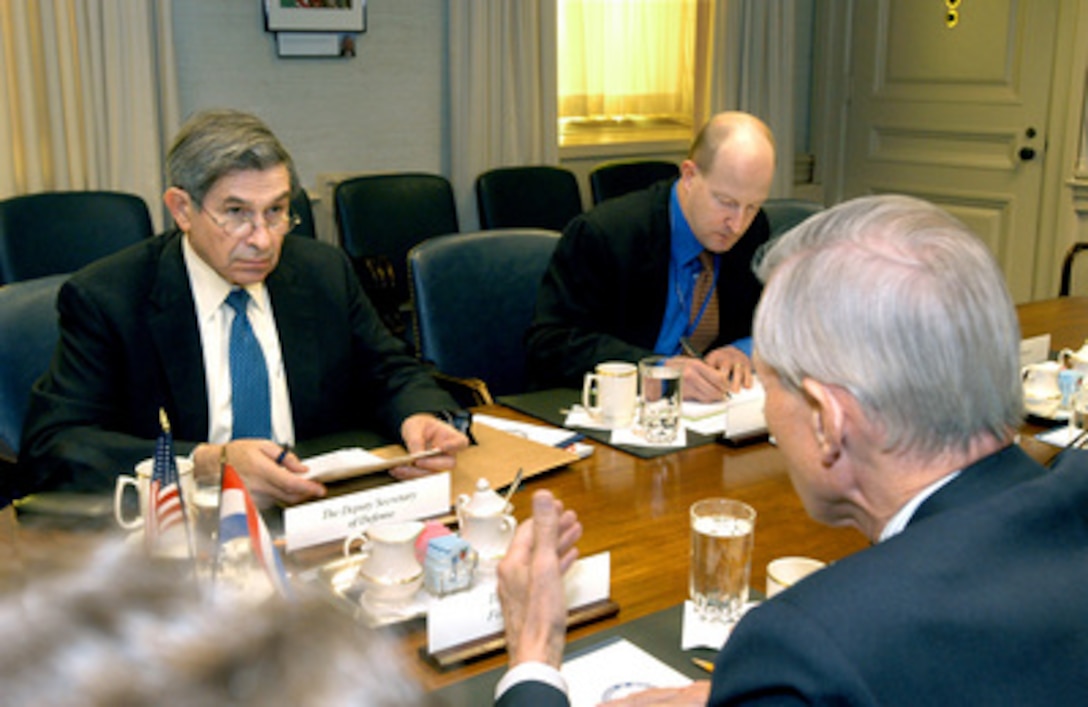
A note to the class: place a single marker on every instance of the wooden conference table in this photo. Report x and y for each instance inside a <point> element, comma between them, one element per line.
<point>637,509</point>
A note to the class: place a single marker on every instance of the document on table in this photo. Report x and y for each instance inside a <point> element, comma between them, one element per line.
<point>353,461</point>
<point>614,669</point>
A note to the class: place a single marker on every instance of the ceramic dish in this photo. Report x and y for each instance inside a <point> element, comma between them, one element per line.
<point>341,578</point>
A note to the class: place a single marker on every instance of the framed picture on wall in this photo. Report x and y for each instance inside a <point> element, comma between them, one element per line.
<point>315,15</point>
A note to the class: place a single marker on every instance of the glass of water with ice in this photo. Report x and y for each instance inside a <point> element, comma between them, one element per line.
<point>722,533</point>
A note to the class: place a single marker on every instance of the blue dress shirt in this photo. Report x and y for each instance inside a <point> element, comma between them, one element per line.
<point>684,269</point>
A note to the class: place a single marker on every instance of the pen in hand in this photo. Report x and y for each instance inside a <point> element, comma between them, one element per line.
<point>285,449</point>
<point>687,348</point>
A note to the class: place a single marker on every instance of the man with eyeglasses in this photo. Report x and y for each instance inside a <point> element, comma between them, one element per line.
<point>249,339</point>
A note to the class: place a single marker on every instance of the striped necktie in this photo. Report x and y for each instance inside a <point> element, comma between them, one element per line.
<point>250,399</point>
<point>706,328</point>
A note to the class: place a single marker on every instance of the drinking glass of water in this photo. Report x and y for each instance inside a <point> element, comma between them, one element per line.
<point>660,399</point>
<point>722,534</point>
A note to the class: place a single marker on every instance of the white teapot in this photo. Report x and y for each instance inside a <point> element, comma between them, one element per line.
<point>485,522</point>
<point>1078,360</point>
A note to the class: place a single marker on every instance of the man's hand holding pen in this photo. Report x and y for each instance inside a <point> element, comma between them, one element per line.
<point>714,377</point>
<point>272,472</point>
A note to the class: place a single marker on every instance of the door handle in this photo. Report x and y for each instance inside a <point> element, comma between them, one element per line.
<point>1027,154</point>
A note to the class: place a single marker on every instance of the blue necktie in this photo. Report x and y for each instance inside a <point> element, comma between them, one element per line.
<point>250,400</point>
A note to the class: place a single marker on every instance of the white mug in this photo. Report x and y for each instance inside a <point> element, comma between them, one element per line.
<point>785,572</point>
<point>614,385</point>
<point>142,483</point>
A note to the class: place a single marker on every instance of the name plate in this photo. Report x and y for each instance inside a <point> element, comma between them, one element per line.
<point>1034,350</point>
<point>335,518</point>
<point>467,616</point>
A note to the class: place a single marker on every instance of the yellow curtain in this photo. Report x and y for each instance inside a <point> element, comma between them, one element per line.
<point>87,96</point>
<point>624,58</point>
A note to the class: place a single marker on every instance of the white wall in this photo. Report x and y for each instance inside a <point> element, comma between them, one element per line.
<point>382,110</point>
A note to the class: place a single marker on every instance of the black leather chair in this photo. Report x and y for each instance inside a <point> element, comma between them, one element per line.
<point>60,232</point>
<point>28,320</point>
<point>784,214</point>
<point>301,207</point>
<point>380,218</point>
<point>528,197</point>
<point>474,295</point>
<point>1067,268</point>
<point>612,179</point>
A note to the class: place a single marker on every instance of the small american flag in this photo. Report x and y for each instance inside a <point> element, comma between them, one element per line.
<point>166,506</point>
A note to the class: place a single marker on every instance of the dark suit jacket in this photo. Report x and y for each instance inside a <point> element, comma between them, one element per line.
<point>604,294</point>
<point>979,601</point>
<point>533,694</point>
<point>130,344</point>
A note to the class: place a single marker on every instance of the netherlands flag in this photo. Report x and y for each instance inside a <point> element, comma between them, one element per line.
<point>239,518</point>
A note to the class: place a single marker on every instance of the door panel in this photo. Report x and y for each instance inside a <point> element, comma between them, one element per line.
<point>956,115</point>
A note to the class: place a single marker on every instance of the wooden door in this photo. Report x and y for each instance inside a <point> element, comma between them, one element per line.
<point>956,113</point>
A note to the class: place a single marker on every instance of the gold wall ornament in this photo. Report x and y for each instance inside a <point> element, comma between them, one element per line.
<point>952,13</point>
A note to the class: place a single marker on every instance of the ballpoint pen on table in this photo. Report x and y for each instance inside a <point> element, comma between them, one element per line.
<point>568,441</point>
<point>513,487</point>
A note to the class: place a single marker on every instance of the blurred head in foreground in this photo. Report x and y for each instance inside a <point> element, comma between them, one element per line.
<point>120,630</point>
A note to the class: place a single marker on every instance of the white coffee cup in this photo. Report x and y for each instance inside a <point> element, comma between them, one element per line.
<point>785,572</point>
<point>142,483</point>
<point>614,387</point>
<point>389,568</point>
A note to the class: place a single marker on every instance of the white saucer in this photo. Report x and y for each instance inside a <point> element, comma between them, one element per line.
<point>1046,408</point>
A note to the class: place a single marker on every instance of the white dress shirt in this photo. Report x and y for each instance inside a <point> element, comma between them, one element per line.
<point>214,318</point>
<point>524,672</point>
<point>899,521</point>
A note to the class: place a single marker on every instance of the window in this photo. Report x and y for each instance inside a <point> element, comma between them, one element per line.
<point>627,70</point>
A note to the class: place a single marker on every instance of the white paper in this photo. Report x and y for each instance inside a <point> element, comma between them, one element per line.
<point>466,616</point>
<point>1034,350</point>
<point>335,518</point>
<point>699,633</point>
<point>338,460</point>
<point>550,436</point>
<point>579,417</point>
<point>1059,436</point>
<point>691,410</point>
<point>713,425</point>
<point>616,669</point>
